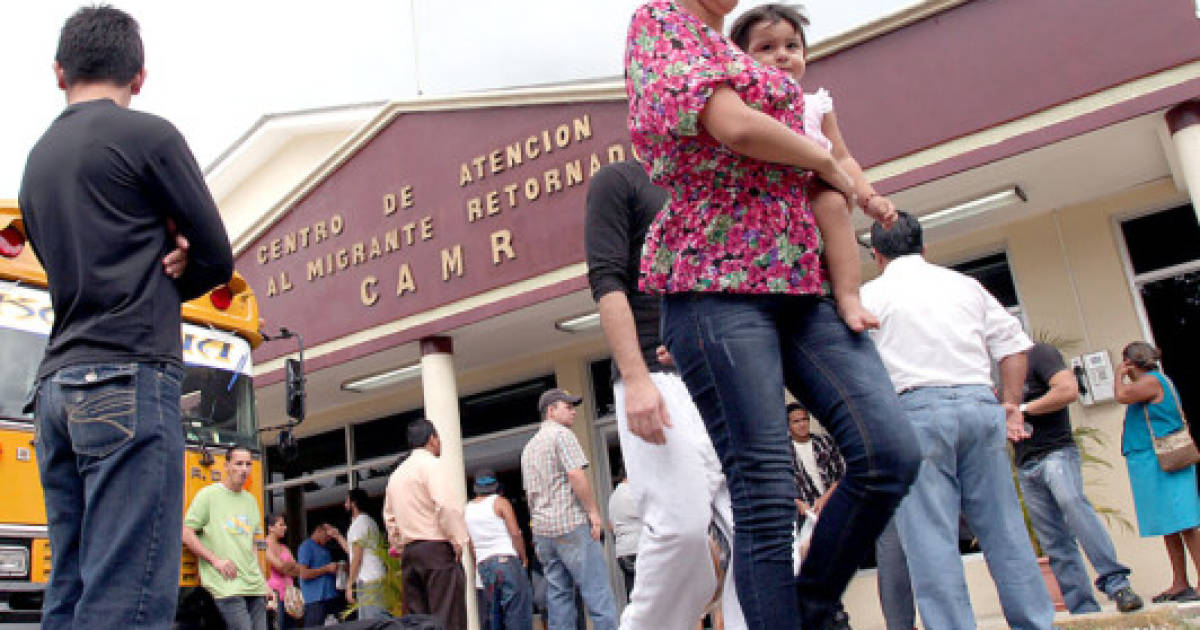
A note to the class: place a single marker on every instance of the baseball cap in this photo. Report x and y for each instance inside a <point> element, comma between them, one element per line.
<point>485,481</point>
<point>551,396</point>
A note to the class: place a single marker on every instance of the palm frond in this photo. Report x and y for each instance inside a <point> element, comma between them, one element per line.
<point>389,592</point>
<point>1062,342</point>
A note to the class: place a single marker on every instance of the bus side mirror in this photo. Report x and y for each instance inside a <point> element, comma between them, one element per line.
<point>295,389</point>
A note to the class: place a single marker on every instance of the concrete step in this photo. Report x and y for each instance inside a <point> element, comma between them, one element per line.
<point>1170,616</point>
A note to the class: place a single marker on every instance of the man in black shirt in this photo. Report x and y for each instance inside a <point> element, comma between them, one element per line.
<point>667,452</point>
<point>117,211</point>
<point>1051,478</point>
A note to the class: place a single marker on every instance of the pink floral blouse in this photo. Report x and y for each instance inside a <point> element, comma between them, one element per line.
<point>733,224</point>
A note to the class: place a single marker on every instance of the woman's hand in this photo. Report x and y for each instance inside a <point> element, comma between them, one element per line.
<point>1125,370</point>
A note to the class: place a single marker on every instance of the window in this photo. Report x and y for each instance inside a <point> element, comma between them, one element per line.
<point>314,454</point>
<point>383,436</point>
<point>995,275</point>
<point>601,372</point>
<point>503,408</point>
<point>1163,239</point>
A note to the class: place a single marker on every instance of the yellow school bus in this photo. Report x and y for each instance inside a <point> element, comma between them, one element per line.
<point>220,329</point>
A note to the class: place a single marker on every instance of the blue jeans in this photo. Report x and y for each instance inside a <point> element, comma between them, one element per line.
<point>316,612</point>
<point>736,353</point>
<point>508,597</point>
<point>1062,515</point>
<point>895,589</point>
<point>110,453</point>
<point>243,613</point>
<point>371,590</point>
<point>966,467</point>
<point>575,559</point>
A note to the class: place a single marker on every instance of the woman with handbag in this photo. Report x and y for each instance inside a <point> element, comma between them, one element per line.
<point>1161,458</point>
<point>289,603</point>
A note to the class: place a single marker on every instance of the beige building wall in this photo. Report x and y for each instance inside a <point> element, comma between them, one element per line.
<point>1071,278</point>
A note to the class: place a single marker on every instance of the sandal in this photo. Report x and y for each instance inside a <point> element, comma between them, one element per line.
<point>1187,594</point>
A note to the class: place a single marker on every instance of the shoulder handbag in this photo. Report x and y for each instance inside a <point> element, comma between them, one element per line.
<point>1176,450</point>
<point>293,601</point>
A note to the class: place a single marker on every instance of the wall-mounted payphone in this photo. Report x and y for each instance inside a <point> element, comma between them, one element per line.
<point>1097,380</point>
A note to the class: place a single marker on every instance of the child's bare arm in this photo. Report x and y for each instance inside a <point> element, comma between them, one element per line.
<point>873,204</point>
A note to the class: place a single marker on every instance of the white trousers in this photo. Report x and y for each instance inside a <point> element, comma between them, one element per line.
<point>682,491</point>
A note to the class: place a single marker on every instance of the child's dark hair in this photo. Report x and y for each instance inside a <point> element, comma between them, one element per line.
<point>100,43</point>
<point>770,13</point>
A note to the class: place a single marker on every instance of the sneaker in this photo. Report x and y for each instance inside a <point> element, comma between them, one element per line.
<point>1127,600</point>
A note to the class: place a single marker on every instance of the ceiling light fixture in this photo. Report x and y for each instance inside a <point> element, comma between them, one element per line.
<point>965,210</point>
<point>579,323</point>
<point>974,207</point>
<point>383,379</point>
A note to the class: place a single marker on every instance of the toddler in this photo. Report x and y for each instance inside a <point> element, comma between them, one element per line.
<point>773,34</point>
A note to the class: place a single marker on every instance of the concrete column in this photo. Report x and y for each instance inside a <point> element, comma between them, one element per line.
<point>1183,121</point>
<point>440,389</point>
<point>571,374</point>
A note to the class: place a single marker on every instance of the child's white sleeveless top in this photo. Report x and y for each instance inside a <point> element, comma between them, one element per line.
<point>816,105</point>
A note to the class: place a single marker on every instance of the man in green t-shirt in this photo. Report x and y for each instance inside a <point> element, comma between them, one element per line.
<point>223,527</point>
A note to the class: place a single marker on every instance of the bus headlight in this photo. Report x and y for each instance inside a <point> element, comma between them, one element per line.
<point>14,561</point>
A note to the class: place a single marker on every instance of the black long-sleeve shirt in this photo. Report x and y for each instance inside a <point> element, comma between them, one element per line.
<point>621,204</point>
<point>98,189</point>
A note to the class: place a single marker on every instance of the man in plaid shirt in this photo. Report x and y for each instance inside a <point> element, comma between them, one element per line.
<point>565,520</point>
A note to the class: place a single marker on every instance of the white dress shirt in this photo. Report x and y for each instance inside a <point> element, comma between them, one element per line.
<point>938,327</point>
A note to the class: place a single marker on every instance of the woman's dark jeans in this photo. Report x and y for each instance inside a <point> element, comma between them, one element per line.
<point>736,353</point>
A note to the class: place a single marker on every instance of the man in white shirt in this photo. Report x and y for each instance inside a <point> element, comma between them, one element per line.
<point>625,516</point>
<point>366,569</point>
<point>939,332</point>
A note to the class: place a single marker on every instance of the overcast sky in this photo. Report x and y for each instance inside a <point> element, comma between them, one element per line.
<point>215,67</point>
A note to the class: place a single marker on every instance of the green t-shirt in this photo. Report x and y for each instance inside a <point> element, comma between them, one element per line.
<point>227,523</point>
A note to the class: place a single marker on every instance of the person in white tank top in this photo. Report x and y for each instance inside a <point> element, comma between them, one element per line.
<point>500,557</point>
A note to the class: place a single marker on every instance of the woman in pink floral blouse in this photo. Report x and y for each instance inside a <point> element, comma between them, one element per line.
<point>746,308</point>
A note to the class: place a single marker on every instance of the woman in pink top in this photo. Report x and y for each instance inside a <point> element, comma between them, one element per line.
<point>736,252</point>
<point>282,567</point>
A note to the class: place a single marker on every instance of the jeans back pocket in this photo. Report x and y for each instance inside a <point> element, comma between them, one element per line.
<point>101,406</point>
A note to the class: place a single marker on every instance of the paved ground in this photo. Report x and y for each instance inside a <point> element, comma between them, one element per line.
<point>1152,617</point>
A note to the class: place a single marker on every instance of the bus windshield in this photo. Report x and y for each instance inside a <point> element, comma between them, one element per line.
<point>218,407</point>
<point>20,355</point>
<point>25,318</point>
<point>218,395</point>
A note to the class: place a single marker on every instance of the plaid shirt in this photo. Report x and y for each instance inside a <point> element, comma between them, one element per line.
<point>829,462</point>
<point>550,453</point>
